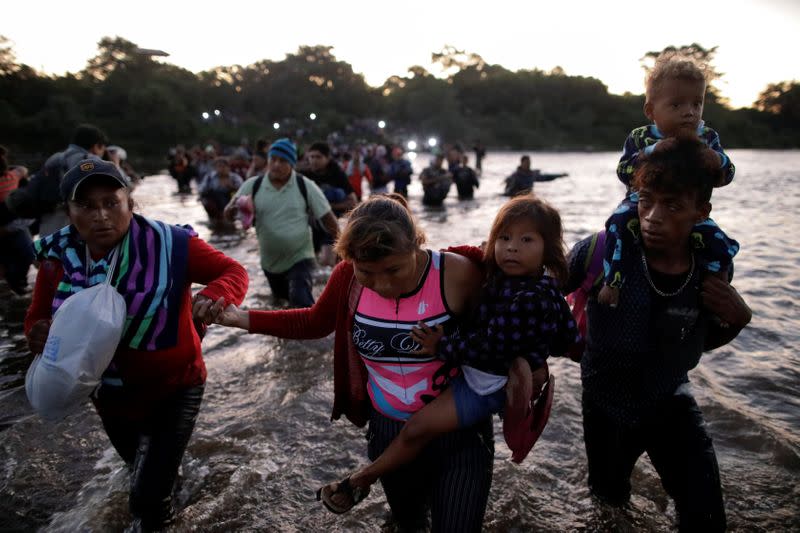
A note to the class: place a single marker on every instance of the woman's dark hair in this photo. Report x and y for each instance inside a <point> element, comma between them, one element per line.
<point>379,227</point>
<point>681,166</point>
<point>548,223</point>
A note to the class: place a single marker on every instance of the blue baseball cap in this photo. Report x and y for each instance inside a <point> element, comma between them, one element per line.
<point>87,168</point>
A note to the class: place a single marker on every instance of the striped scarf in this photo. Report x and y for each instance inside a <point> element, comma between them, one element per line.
<point>150,275</point>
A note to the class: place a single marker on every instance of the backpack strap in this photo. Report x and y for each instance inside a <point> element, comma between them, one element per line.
<point>301,184</point>
<point>593,264</point>
<point>256,186</point>
<point>312,219</point>
<point>593,268</point>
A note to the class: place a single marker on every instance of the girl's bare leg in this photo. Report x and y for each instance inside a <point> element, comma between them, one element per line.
<point>434,419</point>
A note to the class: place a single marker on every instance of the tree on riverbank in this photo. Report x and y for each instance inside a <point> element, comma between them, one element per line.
<point>147,105</point>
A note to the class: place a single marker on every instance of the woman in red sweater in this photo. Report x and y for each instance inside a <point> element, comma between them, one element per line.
<point>151,393</point>
<point>386,285</point>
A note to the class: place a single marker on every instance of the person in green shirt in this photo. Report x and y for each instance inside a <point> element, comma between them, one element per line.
<point>282,210</point>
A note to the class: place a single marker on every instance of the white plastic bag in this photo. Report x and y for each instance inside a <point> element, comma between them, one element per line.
<point>83,337</point>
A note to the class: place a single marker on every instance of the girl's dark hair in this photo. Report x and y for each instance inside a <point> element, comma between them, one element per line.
<point>548,223</point>
<point>3,160</point>
<point>379,227</point>
<point>681,166</point>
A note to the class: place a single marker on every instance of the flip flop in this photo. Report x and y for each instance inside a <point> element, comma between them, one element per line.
<point>355,495</point>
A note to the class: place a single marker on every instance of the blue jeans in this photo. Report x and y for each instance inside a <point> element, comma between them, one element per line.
<point>294,284</point>
<point>681,451</point>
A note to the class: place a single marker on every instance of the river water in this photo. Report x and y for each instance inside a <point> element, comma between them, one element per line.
<point>264,442</point>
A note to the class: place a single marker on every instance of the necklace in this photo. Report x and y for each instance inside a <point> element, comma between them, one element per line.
<point>659,291</point>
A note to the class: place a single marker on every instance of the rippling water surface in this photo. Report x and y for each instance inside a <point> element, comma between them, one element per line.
<point>264,442</point>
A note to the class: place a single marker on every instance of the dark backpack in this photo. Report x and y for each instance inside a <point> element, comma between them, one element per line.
<point>42,194</point>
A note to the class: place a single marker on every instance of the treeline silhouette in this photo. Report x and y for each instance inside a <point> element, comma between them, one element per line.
<point>146,105</point>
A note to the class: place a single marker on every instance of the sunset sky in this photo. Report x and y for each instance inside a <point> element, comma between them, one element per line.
<point>758,41</point>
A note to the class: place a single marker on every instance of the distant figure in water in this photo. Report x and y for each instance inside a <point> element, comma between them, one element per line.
<point>15,238</point>
<point>480,153</point>
<point>466,179</point>
<point>183,171</point>
<point>436,182</point>
<point>357,171</point>
<point>217,189</point>
<point>521,181</point>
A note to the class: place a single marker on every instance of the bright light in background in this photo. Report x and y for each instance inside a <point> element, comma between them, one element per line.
<point>205,115</point>
<point>381,124</point>
<point>275,125</point>
<point>432,142</point>
<point>411,155</point>
<point>313,116</point>
<point>217,112</point>
<point>412,145</point>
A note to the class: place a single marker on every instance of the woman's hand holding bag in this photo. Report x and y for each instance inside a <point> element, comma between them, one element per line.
<point>81,343</point>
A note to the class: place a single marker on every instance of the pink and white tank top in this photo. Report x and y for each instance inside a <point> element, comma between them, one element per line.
<point>400,382</point>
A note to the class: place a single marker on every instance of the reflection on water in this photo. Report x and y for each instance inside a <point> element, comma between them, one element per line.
<point>264,441</point>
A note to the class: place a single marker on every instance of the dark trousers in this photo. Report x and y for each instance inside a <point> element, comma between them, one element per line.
<point>16,257</point>
<point>214,202</point>
<point>681,451</point>
<point>401,187</point>
<point>184,182</point>
<point>435,194</point>
<point>451,477</point>
<point>294,284</point>
<point>153,448</point>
